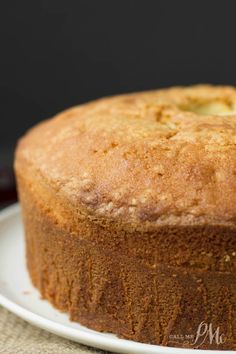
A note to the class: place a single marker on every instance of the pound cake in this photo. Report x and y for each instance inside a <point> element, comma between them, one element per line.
<point>129,209</point>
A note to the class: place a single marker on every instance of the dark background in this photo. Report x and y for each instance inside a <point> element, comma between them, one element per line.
<point>54,54</point>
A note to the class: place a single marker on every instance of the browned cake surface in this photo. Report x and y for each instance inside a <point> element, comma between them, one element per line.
<point>129,211</point>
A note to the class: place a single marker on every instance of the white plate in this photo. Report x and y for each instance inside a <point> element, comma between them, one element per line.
<point>19,296</point>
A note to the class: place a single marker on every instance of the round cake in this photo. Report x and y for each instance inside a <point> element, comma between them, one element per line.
<point>129,209</point>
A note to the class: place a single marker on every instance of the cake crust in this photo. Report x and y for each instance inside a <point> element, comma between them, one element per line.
<point>129,212</point>
<point>142,158</point>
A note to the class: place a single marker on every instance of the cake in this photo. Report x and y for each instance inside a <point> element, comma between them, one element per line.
<point>129,210</point>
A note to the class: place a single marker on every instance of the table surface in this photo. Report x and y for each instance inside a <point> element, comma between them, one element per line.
<point>19,337</point>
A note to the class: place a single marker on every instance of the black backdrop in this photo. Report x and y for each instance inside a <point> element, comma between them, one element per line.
<point>54,54</point>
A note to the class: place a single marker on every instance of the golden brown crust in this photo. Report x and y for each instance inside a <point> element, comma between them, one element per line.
<point>142,158</point>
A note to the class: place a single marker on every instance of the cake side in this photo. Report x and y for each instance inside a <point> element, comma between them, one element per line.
<point>117,289</point>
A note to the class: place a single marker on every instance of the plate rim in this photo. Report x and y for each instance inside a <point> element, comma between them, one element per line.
<point>97,339</point>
